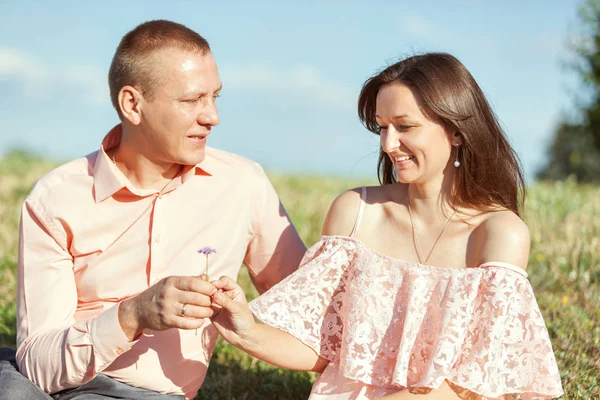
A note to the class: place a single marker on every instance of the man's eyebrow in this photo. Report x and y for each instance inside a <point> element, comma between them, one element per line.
<point>200,93</point>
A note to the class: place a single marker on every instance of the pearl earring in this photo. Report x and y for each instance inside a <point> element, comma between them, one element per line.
<point>457,163</point>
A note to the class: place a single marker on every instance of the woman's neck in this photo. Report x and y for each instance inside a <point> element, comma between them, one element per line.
<point>432,201</point>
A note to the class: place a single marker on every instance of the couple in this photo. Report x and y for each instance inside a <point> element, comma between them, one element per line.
<point>417,288</point>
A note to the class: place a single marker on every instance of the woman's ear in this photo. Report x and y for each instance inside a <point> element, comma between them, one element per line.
<point>457,139</point>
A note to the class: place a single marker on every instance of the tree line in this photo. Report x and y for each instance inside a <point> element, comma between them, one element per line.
<point>575,147</point>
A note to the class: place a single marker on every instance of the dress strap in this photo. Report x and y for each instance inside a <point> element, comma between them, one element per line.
<point>512,267</point>
<point>361,207</point>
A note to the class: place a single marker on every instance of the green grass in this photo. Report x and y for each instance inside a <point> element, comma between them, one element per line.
<point>564,269</point>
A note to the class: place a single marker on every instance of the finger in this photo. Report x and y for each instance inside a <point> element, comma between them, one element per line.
<point>188,323</point>
<point>193,284</point>
<point>216,309</point>
<point>222,300</point>
<point>194,298</point>
<point>194,312</point>
<point>225,283</point>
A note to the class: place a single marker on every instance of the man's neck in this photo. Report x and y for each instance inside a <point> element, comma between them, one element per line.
<point>142,172</point>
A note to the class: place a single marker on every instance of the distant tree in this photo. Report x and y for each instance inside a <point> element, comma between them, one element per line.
<point>575,149</point>
<point>587,64</point>
<point>572,153</point>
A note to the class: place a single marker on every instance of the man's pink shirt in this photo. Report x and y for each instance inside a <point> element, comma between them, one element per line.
<point>89,239</point>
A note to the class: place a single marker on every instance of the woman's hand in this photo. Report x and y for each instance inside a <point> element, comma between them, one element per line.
<point>233,318</point>
<point>235,322</point>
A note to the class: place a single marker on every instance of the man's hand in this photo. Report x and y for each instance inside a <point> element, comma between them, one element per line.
<point>160,306</point>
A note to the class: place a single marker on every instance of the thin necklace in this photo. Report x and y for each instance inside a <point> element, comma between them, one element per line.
<point>414,234</point>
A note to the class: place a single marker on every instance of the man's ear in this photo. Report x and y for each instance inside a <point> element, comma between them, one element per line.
<point>129,100</point>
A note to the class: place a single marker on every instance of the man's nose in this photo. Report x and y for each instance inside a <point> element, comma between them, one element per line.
<point>209,115</point>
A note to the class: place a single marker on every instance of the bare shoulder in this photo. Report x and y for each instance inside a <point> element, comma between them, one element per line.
<point>342,213</point>
<point>504,237</point>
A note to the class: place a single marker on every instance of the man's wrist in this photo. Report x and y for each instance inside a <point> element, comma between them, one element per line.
<point>129,319</point>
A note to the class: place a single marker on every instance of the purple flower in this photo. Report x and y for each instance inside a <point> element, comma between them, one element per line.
<point>207,250</point>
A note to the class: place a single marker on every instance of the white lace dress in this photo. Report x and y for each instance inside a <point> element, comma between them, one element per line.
<point>385,324</point>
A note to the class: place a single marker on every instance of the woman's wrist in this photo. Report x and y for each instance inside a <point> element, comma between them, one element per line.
<point>250,338</point>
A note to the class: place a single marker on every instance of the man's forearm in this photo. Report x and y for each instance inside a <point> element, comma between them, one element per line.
<point>57,359</point>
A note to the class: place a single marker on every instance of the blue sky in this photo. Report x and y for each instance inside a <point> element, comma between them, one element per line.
<point>291,71</point>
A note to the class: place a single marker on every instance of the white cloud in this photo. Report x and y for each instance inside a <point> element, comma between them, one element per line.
<point>40,79</point>
<point>422,29</point>
<point>548,44</point>
<point>429,36</point>
<point>290,85</point>
<point>417,26</point>
<point>14,62</point>
<point>303,84</point>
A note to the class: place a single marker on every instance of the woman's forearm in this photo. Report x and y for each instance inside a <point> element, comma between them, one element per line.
<point>281,349</point>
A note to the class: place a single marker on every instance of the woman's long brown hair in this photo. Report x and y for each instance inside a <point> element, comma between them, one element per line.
<point>490,174</point>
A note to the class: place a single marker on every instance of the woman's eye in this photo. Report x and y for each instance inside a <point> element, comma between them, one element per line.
<point>397,128</point>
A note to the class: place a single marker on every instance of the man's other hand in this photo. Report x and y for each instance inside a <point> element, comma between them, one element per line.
<point>174,302</point>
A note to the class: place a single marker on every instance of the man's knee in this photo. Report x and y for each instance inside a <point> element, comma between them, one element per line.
<point>13,385</point>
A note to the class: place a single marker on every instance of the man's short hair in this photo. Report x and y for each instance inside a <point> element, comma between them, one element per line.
<point>132,63</point>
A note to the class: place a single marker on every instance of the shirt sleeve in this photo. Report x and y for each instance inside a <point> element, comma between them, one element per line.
<point>275,249</point>
<point>55,351</point>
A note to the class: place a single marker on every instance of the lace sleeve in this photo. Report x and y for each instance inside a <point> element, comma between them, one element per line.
<point>307,304</point>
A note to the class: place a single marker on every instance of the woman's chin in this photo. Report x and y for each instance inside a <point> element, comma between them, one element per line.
<point>406,178</point>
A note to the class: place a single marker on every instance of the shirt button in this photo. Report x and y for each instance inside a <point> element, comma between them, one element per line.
<point>157,239</point>
<point>119,351</point>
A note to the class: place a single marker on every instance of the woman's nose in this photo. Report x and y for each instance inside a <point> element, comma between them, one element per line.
<point>389,139</point>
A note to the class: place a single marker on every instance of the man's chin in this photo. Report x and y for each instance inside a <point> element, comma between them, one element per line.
<point>195,159</point>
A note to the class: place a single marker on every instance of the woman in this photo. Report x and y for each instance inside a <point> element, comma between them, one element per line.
<point>418,285</point>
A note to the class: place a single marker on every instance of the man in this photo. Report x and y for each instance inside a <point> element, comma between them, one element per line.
<point>111,297</point>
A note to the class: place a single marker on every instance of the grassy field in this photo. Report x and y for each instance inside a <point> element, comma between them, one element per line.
<point>564,269</point>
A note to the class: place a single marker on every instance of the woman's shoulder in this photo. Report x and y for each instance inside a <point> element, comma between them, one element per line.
<point>502,236</point>
<point>342,213</point>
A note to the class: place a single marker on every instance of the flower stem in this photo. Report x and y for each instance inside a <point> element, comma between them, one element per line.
<point>206,270</point>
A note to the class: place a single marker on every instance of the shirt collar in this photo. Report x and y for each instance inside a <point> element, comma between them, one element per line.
<point>108,179</point>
